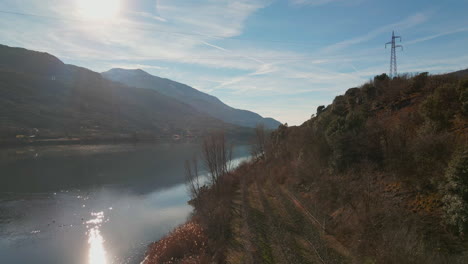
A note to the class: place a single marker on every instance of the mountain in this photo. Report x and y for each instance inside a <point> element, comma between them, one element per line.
<point>203,102</point>
<point>41,95</point>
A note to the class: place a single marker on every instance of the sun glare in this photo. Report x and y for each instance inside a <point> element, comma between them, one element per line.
<point>98,9</point>
<point>97,253</point>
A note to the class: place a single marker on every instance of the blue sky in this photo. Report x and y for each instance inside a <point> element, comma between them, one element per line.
<point>280,59</point>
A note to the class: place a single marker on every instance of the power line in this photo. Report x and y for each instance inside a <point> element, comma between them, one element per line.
<point>393,62</point>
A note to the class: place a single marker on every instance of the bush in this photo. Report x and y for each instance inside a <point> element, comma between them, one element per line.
<point>339,106</point>
<point>382,77</point>
<point>419,81</point>
<point>440,107</point>
<point>456,192</point>
<point>463,90</point>
<point>320,109</point>
<point>186,244</point>
<point>369,90</point>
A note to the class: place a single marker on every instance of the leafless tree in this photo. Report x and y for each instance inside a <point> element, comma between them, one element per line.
<point>217,157</point>
<point>192,178</point>
<point>258,148</point>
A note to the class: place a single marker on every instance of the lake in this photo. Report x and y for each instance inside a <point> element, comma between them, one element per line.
<point>91,203</point>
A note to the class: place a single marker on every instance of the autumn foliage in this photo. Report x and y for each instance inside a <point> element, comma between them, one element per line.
<point>187,244</point>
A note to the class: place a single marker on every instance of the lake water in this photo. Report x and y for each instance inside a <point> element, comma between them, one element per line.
<point>91,204</point>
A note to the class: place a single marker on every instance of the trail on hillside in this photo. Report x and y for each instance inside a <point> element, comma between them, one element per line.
<point>273,227</point>
<point>329,239</point>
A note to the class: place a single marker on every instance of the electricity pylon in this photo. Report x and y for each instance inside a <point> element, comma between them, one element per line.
<point>393,64</point>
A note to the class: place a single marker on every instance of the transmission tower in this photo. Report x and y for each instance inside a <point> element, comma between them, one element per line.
<point>393,64</point>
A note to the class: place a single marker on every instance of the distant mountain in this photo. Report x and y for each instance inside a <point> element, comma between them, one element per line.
<point>38,92</point>
<point>203,102</point>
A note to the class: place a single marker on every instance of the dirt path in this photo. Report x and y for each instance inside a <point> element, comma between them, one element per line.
<point>329,239</point>
<point>271,226</point>
<point>241,252</point>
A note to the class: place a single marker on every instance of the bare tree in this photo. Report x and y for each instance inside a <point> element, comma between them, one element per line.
<point>258,148</point>
<point>192,178</point>
<point>212,198</point>
<point>217,156</point>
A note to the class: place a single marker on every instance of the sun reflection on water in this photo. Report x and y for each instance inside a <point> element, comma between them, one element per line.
<point>97,253</point>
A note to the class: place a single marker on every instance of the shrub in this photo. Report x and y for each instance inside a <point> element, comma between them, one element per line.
<point>320,109</point>
<point>369,90</point>
<point>186,244</point>
<point>430,154</point>
<point>463,90</point>
<point>440,107</point>
<point>456,192</point>
<point>382,77</point>
<point>339,106</point>
<point>419,81</point>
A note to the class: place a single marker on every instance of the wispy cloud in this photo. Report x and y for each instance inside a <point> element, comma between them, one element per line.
<point>322,2</point>
<point>312,2</point>
<point>427,38</point>
<point>409,22</point>
<point>266,68</point>
<point>148,15</point>
<point>138,66</point>
<point>222,18</point>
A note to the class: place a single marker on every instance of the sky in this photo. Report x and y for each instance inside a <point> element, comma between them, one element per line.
<point>279,58</point>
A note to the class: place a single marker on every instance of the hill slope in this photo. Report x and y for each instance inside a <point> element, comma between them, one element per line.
<point>39,92</point>
<point>378,176</point>
<point>203,102</point>
<point>385,166</point>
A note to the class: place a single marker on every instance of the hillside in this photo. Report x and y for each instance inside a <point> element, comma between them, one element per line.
<point>378,176</point>
<point>42,97</point>
<point>203,102</point>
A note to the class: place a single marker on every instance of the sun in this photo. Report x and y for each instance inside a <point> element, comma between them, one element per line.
<point>98,9</point>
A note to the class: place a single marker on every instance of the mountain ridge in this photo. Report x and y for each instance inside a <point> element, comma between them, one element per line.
<point>201,101</point>
<point>40,92</point>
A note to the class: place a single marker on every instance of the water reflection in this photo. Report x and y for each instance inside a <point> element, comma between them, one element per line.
<point>91,204</point>
<point>97,253</point>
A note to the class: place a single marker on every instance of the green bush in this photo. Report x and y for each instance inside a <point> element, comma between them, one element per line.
<point>456,192</point>
<point>382,77</point>
<point>339,106</point>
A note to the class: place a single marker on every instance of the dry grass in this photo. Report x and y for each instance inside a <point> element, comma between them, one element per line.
<point>187,244</point>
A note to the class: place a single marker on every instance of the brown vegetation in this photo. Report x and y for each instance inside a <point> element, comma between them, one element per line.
<point>187,244</point>
<point>212,207</point>
<point>385,166</point>
<point>378,176</point>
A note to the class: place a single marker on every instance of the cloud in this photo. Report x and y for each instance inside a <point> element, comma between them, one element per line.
<point>409,22</point>
<point>322,2</point>
<point>205,16</point>
<point>313,2</point>
<point>266,68</point>
<point>450,32</point>
<point>148,15</point>
<point>138,66</point>
<point>179,32</point>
